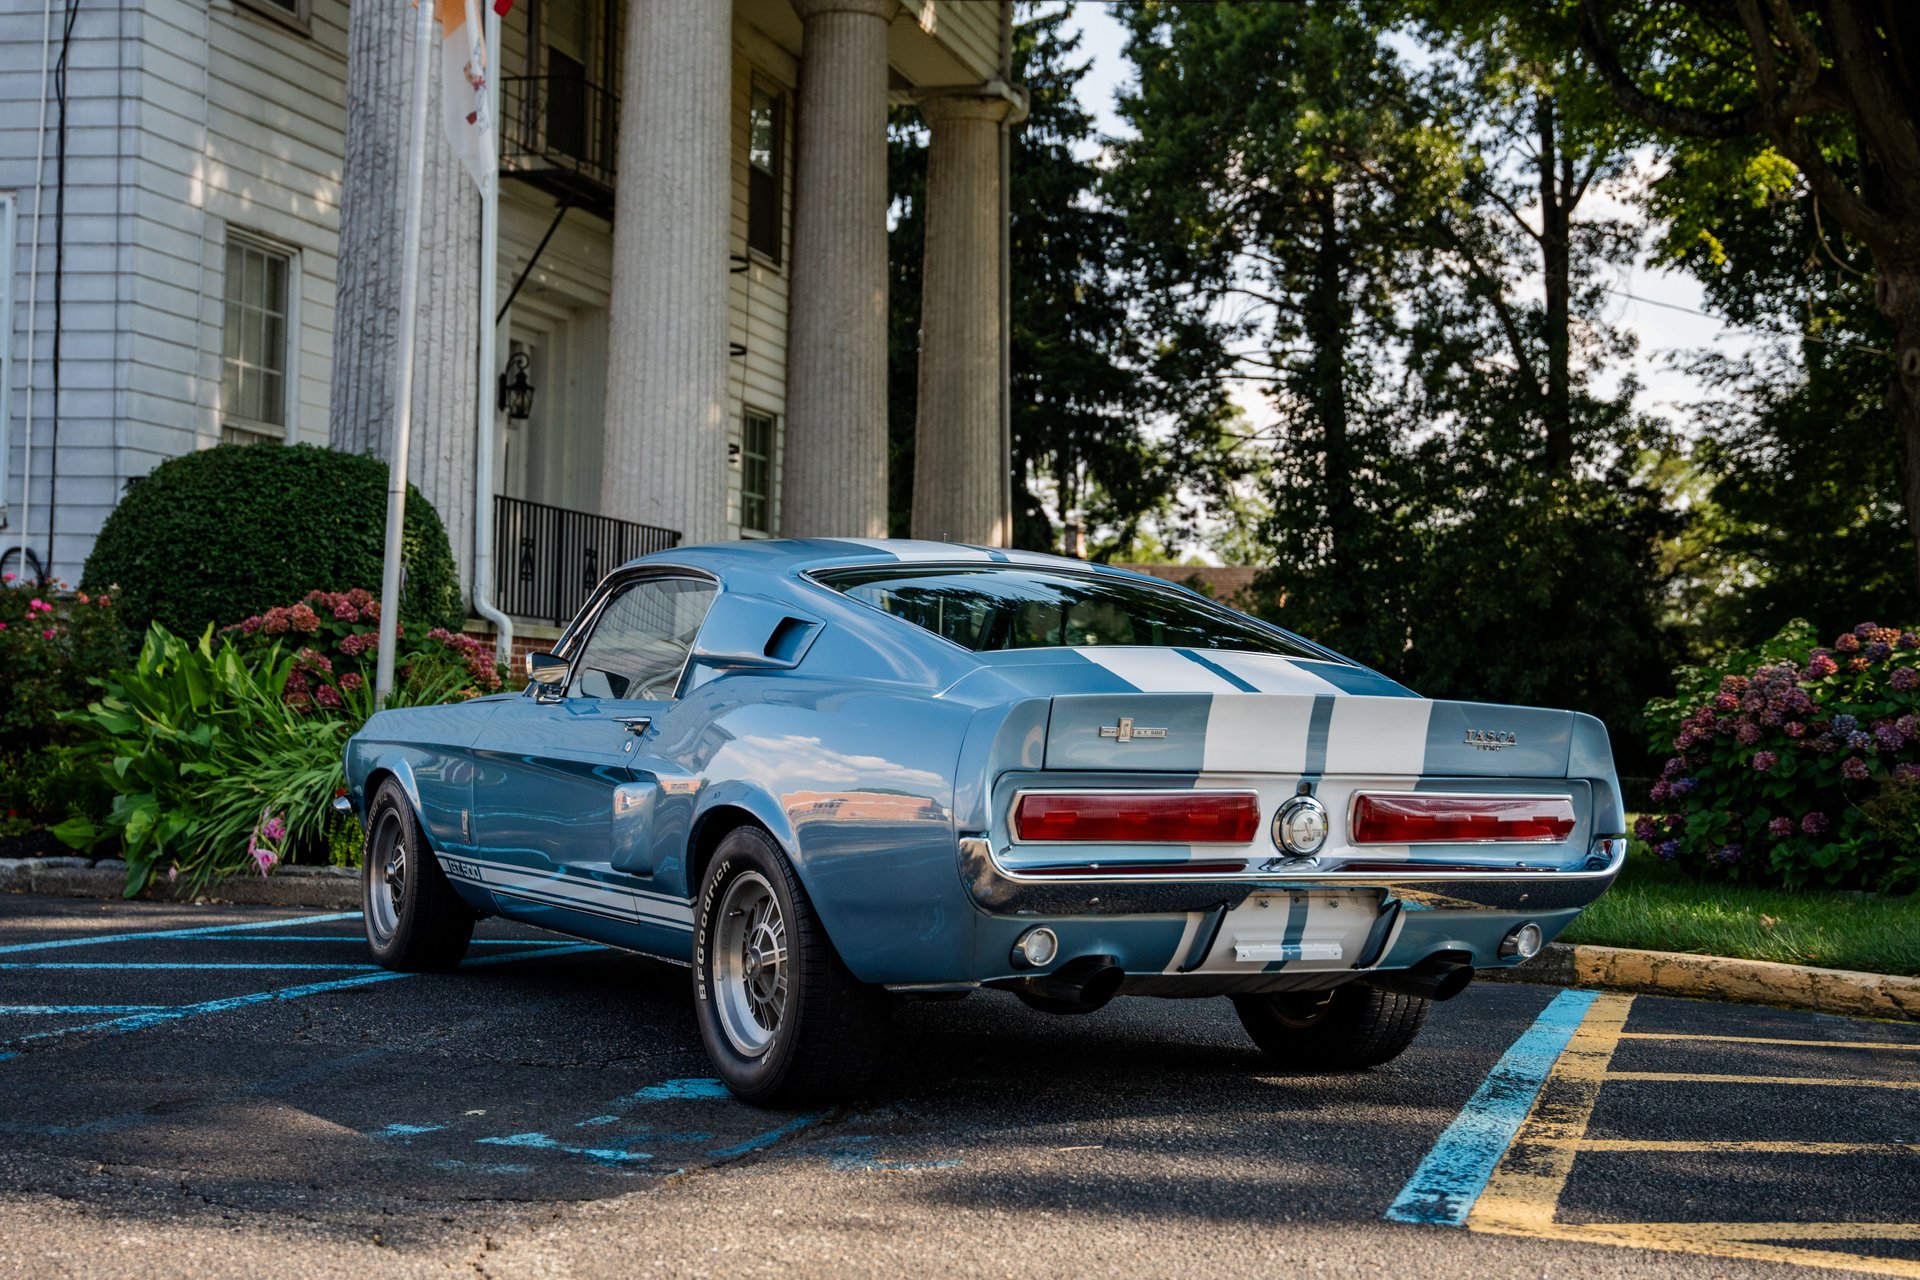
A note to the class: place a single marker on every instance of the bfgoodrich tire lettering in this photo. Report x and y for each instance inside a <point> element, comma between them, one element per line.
<point>782,1019</point>
<point>1348,1028</point>
<point>415,921</point>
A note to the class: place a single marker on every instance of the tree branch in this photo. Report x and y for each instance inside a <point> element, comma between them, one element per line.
<point>1648,109</point>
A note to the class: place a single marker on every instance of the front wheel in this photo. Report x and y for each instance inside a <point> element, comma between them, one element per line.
<point>415,921</point>
<point>782,1019</point>
<point>1348,1028</point>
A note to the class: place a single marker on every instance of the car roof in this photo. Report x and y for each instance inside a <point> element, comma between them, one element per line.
<point>800,555</point>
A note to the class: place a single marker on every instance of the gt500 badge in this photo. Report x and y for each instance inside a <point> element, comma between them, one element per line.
<point>1491,739</point>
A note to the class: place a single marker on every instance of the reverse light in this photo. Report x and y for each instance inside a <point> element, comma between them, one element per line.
<point>1415,818</point>
<point>1138,817</point>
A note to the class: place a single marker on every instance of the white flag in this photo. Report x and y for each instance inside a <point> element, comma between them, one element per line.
<point>463,88</point>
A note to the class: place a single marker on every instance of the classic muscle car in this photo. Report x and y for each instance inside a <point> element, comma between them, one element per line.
<point>831,774</point>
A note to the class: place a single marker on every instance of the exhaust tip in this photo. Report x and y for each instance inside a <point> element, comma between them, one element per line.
<point>1524,942</point>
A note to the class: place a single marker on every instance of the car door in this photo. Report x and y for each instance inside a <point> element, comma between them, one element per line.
<point>564,805</point>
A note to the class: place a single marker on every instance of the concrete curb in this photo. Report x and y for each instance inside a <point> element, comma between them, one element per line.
<point>336,888</point>
<point>1672,973</point>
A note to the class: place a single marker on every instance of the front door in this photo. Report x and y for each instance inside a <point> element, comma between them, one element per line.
<point>565,801</point>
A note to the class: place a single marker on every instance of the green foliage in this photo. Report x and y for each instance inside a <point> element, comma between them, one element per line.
<point>1793,764</point>
<point>216,535</point>
<point>52,647</point>
<point>201,752</point>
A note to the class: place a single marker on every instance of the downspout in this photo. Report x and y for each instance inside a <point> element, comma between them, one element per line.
<point>1006,272</point>
<point>486,411</point>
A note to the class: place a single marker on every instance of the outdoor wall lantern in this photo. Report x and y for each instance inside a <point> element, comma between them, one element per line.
<point>516,393</point>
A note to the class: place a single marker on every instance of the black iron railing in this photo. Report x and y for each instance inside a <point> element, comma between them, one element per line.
<point>547,559</point>
<point>558,132</point>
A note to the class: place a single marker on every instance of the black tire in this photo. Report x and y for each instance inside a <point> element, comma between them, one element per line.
<point>419,924</point>
<point>1348,1028</point>
<point>827,1026</point>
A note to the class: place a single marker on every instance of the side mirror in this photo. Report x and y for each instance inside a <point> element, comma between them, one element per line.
<point>546,670</point>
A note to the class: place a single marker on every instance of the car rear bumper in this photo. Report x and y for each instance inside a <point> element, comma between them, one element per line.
<point>1436,886</point>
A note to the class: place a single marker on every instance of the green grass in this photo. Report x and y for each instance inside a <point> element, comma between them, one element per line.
<point>1654,908</point>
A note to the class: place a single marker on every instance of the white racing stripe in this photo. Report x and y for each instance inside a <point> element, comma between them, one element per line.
<point>1378,735</point>
<point>1158,670</point>
<point>912,550</point>
<point>1257,733</point>
<point>1271,673</point>
<point>632,904</point>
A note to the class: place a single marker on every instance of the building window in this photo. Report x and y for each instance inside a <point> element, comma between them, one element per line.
<point>295,13</point>
<point>257,346</point>
<point>756,472</point>
<point>766,143</point>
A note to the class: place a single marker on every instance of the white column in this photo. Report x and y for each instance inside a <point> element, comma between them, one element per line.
<point>834,478</point>
<point>665,460</point>
<point>959,486</point>
<point>367,310</point>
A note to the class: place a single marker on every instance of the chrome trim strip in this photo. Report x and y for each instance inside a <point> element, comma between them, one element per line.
<point>1013,808</point>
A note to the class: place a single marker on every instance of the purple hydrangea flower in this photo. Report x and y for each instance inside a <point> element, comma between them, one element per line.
<point>1747,733</point>
<point>1780,828</point>
<point>1819,666</point>
<point>1908,640</point>
<point>1905,679</point>
<point>1726,702</point>
<point>1826,744</point>
<point>1674,767</point>
<point>1685,786</point>
<point>1907,772</point>
<point>1889,737</point>
<point>1848,643</point>
<point>1728,853</point>
<point>1667,850</point>
<point>1865,629</point>
<point>1645,828</point>
<point>1662,790</point>
<point>1860,740</point>
<point>1814,824</point>
<point>1878,651</point>
<point>1844,723</point>
<point>1854,769</point>
<point>1908,725</point>
<point>1794,729</point>
<point>1763,761</point>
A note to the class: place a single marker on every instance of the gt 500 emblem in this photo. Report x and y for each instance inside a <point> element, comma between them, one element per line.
<point>1492,739</point>
<point>1127,731</point>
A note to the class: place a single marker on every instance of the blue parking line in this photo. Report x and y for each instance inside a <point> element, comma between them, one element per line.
<point>772,1136</point>
<point>174,1013</point>
<point>101,939</point>
<point>79,1008</point>
<point>1443,1189</point>
<point>361,937</point>
<point>183,964</point>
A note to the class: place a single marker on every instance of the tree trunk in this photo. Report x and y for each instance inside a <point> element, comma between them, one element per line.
<point>1326,323</point>
<point>1556,216</point>
<point>1897,294</point>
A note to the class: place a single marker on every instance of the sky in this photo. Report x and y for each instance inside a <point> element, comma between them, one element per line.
<point>1667,333</point>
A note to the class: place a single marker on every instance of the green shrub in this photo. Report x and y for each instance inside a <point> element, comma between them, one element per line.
<point>209,768</point>
<point>226,532</point>
<point>53,646</point>
<point>1795,764</point>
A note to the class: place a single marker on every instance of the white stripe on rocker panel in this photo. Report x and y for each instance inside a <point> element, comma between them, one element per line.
<point>1158,670</point>
<point>1378,735</point>
<point>1257,733</point>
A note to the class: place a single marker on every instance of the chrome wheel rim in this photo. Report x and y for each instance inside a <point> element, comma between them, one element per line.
<point>386,875</point>
<point>750,975</point>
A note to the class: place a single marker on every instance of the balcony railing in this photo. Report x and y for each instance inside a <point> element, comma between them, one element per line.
<point>547,559</point>
<point>557,132</point>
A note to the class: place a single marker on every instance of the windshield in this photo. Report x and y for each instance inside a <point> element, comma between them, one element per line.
<point>1020,607</point>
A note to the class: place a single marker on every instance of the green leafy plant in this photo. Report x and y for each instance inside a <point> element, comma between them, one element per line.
<point>222,533</point>
<point>203,755</point>
<point>1795,764</point>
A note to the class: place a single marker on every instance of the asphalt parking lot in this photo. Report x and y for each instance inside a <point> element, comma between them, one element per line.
<point>232,1091</point>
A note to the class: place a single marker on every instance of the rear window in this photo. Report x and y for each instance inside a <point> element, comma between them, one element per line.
<point>1018,607</point>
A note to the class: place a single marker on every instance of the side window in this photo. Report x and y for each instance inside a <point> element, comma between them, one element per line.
<point>640,642</point>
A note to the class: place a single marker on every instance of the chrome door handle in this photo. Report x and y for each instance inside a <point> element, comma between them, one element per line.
<point>635,724</point>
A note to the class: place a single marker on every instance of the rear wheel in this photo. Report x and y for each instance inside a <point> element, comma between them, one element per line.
<point>415,921</point>
<point>782,1018</point>
<point>1345,1029</point>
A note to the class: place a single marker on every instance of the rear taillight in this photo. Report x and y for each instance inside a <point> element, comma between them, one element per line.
<point>1408,818</point>
<point>1138,817</point>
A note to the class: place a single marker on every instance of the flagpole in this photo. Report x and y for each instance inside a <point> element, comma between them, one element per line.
<point>403,378</point>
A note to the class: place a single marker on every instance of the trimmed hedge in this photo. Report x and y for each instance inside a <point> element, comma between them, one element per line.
<point>224,533</point>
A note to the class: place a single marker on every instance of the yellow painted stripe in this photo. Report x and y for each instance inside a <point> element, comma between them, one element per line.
<point>1688,1077</point>
<point>1754,1241</point>
<point>1739,1146</point>
<point>1810,1044</point>
<point>1524,1192</point>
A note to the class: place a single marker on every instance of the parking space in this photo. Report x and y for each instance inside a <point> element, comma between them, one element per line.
<point>202,1089</point>
<point>1660,1124</point>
